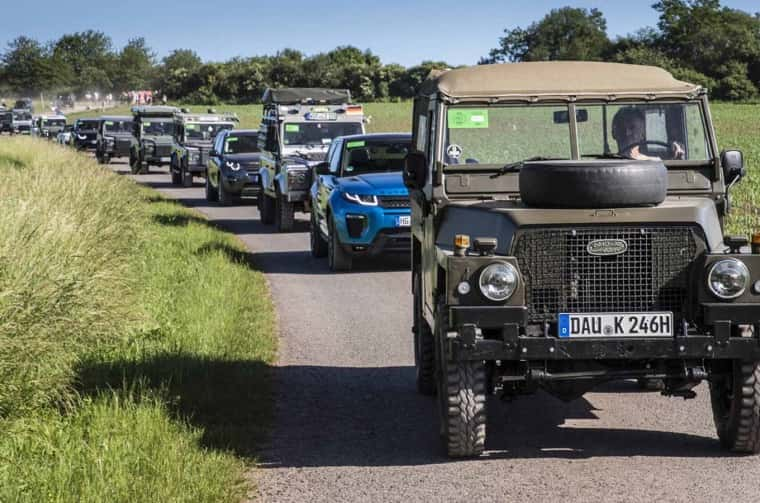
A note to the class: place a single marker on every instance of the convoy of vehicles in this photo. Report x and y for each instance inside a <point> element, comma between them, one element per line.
<point>565,223</point>
<point>232,171</point>
<point>154,137</point>
<point>193,138</point>
<point>297,127</point>
<point>359,204</point>
<point>114,138</point>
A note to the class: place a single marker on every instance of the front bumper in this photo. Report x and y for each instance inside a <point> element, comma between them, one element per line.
<point>242,183</point>
<point>371,229</point>
<point>466,342</point>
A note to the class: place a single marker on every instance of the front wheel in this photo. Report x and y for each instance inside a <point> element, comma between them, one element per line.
<point>212,194</point>
<point>424,345</point>
<point>316,240</point>
<point>337,258</point>
<point>736,407</point>
<point>266,209</point>
<point>284,214</point>
<point>186,176</point>
<point>462,397</point>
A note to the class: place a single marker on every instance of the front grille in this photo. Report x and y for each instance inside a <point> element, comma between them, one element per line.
<point>393,201</point>
<point>163,150</point>
<point>561,276</point>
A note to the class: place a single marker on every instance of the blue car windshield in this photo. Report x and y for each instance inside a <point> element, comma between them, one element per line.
<point>373,156</point>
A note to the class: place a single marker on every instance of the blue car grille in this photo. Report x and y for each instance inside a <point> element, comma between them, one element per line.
<point>397,202</point>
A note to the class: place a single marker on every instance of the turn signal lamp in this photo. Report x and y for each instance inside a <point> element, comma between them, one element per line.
<point>353,109</point>
<point>756,243</point>
<point>461,244</point>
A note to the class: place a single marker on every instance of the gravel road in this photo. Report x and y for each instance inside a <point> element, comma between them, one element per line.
<point>350,426</point>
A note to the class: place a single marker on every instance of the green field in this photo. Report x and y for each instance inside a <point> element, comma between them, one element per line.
<point>135,340</point>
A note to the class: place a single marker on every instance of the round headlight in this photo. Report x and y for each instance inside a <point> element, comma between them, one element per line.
<point>728,278</point>
<point>234,166</point>
<point>499,281</point>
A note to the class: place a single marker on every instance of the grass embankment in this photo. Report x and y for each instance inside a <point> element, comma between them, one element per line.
<point>134,340</point>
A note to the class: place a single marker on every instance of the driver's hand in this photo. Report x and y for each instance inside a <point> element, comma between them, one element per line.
<point>679,153</point>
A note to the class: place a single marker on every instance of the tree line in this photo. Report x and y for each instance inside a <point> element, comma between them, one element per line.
<point>697,40</point>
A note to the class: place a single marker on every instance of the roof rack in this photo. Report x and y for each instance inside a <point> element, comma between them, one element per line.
<point>306,96</point>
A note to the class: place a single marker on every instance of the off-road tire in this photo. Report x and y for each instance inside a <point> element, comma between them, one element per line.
<point>266,209</point>
<point>463,402</point>
<point>317,242</point>
<point>174,171</point>
<point>424,345</point>
<point>185,176</point>
<point>736,407</point>
<point>212,194</point>
<point>284,214</point>
<point>134,163</point>
<point>593,184</point>
<point>337,258</point>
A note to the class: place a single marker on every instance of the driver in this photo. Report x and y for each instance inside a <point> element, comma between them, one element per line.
<point>629,130</point>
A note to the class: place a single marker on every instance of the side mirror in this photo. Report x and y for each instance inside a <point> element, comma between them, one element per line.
<point>415,170</point>
<point>733,166</point>
<point>323,168</point>
<point>213,153</point>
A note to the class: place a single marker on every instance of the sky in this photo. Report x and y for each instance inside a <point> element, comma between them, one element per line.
<point>407,32</point>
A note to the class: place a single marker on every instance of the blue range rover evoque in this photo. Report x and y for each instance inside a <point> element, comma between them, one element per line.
<point>360,205</point>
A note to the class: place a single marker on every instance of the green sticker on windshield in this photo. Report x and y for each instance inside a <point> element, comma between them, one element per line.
<point>146,123</point>
<point>231,139</point>
<point>355,144</point>
<point>292,128</point>
<point>468,118</point>
<point>109,123</point>
<point>192,127</point>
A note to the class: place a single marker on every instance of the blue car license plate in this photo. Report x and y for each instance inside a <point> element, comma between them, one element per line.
<point>404,221</point>
<point>615,325</point>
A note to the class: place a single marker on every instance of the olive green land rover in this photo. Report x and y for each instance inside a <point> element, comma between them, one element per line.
<point>568,231</point>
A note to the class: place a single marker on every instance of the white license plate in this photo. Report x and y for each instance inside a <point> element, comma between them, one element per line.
<point>165,159</point>
<point>405,221</point>
<point>615,325</point>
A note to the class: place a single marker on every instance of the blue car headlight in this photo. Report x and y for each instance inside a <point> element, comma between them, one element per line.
<point>363,199</point>
<point>234,166</point>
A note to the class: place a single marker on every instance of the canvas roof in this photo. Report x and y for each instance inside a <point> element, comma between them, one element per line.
<point>555,79</point>
<point>295,95</point>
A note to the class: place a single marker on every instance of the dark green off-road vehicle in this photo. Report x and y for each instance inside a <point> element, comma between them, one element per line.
<point>114,138</point>
<point>567,223</point>
<point>194,136</point>
<point>297,127</point>
<point>154,137</point>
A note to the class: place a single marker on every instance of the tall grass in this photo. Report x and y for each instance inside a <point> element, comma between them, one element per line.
<point>135,339</point>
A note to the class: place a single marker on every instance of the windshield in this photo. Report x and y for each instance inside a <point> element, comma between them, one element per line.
<point>6,117</point>
<point>86,125</point>
<point>639,131</point>
<point>318,133</point>
<point>54,123</point>
<point>22,116</point>
<point>158,127</point>
<point>374,156</point>
<point>241,144</point>
<point>500,135</point>
<point>118,126</point>
<point>204,132</point>
<point>667,131</point>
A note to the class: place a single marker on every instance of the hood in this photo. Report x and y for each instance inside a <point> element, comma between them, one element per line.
<point>205,145</point>
<point>119,134</point>
<point>243,158</point>
<point>379,184</point>
<point>501,219</point>
<point>160,140</point>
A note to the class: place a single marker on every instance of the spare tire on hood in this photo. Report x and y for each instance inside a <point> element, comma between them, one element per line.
<point>593,184</point>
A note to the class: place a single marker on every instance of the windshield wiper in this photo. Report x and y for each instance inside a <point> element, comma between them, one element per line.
<point>515,167</point>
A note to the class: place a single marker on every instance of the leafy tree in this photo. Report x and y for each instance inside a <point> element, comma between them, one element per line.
<point>408,83</point>
<point>135,67</point>
<point>28,67</point>
<point>563,34</point>
<point>90,57</point>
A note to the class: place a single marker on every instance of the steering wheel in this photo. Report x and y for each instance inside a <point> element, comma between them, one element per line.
<point>647,142</point>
